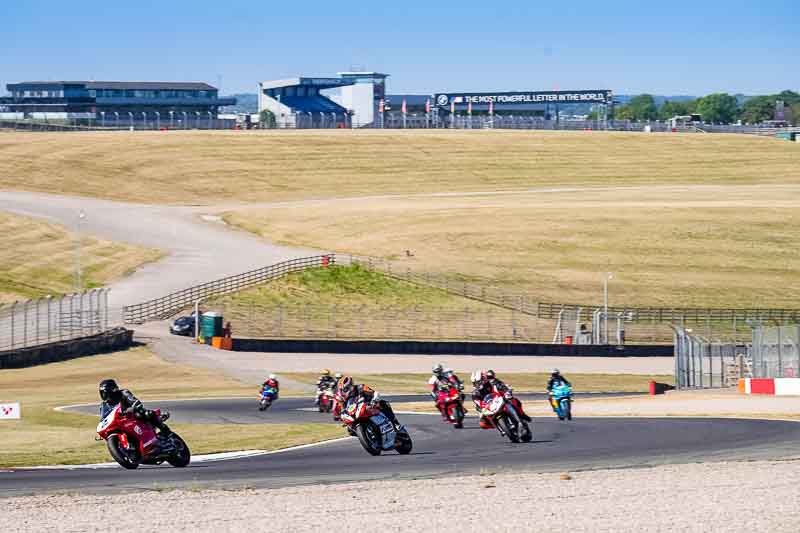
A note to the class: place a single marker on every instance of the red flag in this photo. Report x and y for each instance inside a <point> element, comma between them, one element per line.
<point>403,107</point>
<point>491,107</point>
<point>382,105</point>
<point>428,105</point>
<point>452,107</point>
<point>469,107</point>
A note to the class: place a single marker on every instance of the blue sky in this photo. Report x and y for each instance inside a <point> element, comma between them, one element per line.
<point>674,47</point>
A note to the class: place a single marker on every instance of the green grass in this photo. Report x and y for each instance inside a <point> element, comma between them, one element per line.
<point>342,285</point>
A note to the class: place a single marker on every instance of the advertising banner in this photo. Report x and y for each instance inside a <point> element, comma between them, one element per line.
<point>9,411</point>
<point>596,96</point>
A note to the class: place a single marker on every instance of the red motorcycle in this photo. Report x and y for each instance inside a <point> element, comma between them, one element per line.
<point>450,403</point>
<point>375,432</point>
<point>132,442</point>
<point>499,412</point>
<point>326,401</point>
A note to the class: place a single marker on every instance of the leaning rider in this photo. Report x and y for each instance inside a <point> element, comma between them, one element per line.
<point>556,380</point>
<point>271,382</point>
<point>502,388</point>
<point>324,383</point>
<point>481,389</point>
<point>439,382</point>
<point>112,396</point>
<point>347,392</point>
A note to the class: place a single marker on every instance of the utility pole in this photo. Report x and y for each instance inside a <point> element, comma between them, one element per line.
<point>78,246</point>
<point>606,278</point>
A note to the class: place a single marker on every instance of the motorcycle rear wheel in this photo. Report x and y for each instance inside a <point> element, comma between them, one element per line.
<point>459,417</point>
<point>263,405</point>
<point>366,434</point>
<point>182,455</point>
<point>128,459</point>
<point>568,409</point>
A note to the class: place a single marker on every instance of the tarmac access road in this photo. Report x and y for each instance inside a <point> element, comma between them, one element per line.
<point>439,450</point>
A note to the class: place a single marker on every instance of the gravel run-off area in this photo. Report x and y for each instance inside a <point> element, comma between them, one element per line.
<point>731,497</point>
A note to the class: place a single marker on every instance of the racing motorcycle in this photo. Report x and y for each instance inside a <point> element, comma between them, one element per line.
<point>561,401</point>
<point>266,398</point>
<point>449,398</point>
<point>132,442</point>
<point>375,432</point>
<point>326,401</point>
<point>498,410</point>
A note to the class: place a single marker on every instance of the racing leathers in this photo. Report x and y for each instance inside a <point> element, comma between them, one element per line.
<point>324,383</point>
<point>271,383</point>
<point>366,393</point>
<point>554,381</point>
<point>441,384</point>
<point>132,406</point>
<point>486,387</point>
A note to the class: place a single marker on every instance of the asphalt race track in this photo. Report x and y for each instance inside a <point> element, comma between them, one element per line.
<point>439,449</point>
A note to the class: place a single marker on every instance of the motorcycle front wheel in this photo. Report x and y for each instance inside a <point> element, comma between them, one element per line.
<point>126,458</point>
<point>369,436</point>
<point>182,455</point>
<point>263,406</point>
<point>507,427</point>
<point>403,443</point>
<point>567,409</point>
<point>458,415</point>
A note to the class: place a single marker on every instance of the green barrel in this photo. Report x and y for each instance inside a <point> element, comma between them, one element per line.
<point>211,325</point>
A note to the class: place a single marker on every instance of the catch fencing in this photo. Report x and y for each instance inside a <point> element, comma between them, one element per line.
<point>703,363</point>
<point>45,320</point>
<point>776,352</point>
<point>169,305</point>
<point>149,122</point>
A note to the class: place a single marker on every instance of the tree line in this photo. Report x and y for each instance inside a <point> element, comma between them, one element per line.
<point>717,108</point>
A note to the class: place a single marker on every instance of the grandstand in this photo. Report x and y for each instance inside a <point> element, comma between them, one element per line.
<point>349,100</point>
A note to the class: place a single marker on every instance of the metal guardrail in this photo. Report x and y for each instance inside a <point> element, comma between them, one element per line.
<point>169,305</point>
<point>45,320</point>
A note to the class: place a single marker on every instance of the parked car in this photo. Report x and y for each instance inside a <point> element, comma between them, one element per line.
<point>183,326</point>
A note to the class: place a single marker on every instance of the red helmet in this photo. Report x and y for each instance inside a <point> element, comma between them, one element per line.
<point>345,386</point>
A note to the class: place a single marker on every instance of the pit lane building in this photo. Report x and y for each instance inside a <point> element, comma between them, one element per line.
<point>56,100</point>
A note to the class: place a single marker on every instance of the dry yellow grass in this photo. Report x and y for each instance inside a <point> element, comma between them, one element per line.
<point>45,436</point>
<point>39,259</point>
<point>712,245</point>
<point>268,166</point>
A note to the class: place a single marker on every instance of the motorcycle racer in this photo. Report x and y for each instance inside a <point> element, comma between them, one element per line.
<point>488,383</point>
<point>441,380</point>
<point>347,391</point>
<point>271,382</point>
<point>556,379</point>
<point>112,396</point>
<point>325,381</point>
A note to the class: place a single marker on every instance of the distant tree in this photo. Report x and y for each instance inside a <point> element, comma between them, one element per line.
<point>758,109</point>
<point>267,119</point>
<point>674,108</point>
<point>790,97</point>
<point>643,107</point>
<point>793,114</point>
<point>718,108</point>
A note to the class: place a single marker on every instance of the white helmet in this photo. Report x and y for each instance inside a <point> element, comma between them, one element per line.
<point>273,376</point>
<point>438,368</point>
<point>476,376</point>
<point>448,371</point>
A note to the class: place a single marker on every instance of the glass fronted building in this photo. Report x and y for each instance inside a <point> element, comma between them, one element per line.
<point>111,99</point>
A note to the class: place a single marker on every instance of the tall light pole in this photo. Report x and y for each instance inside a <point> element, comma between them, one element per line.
<point>78,246</point>
<point>210,114</point>
<point>606,278</point>
<point>172,120</point>
<point>197,119</point>
<point>158,120</point>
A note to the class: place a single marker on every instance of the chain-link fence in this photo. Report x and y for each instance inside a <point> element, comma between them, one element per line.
<point>46,320</point>
<point>776,351</point>
<point>703,363</point>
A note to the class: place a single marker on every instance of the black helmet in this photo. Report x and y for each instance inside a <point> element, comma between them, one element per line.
<point>490,375</point>
<point>555,373</point>
<point>109,391</point>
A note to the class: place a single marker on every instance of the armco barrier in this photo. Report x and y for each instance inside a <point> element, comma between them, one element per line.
<point>109,341</point>
<point>445,348</point>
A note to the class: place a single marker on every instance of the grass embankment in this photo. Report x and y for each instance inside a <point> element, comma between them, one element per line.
<point>521,382</point>
<point>39,259</point>
<point>352,302</point>
<point>705,246</point>
<point>293,165</point>
<point>45,436</point>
